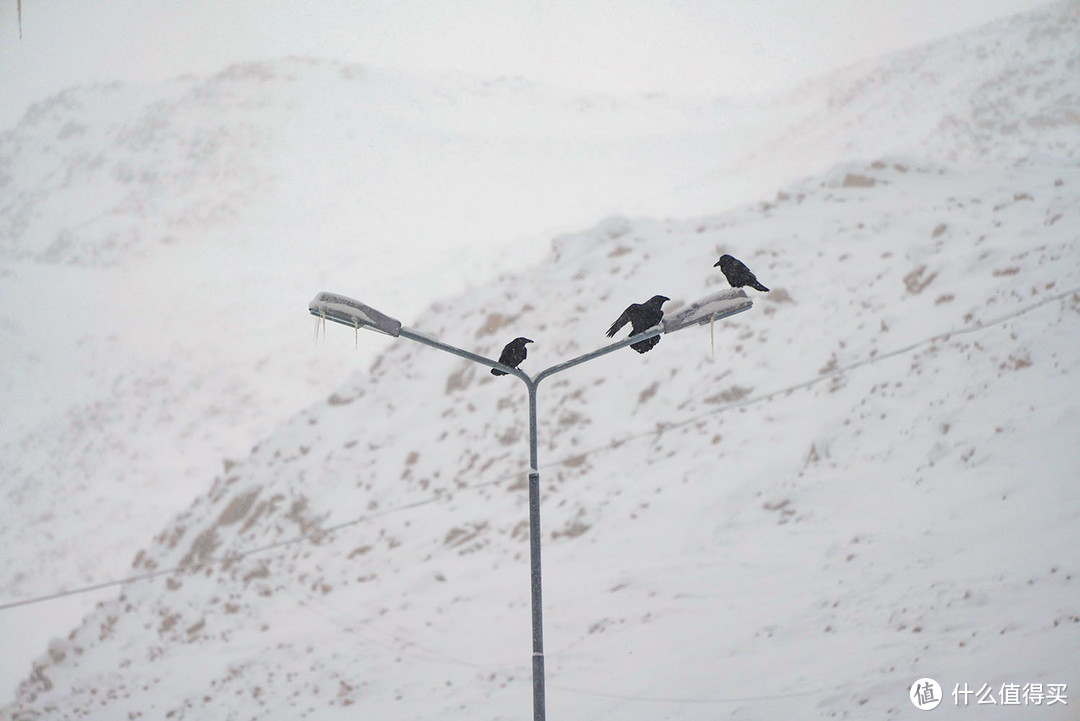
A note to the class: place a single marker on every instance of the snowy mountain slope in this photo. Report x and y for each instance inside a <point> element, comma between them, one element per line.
<point>160,174</point>
<point>156,242</point>
<point>1003,93</point>
<point>232,193</point>
<point>162,165</point>
<point>245,167</point>
<point>875,467</point>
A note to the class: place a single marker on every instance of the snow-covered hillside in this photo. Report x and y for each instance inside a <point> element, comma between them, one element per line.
<point>999,94</point>
<point>875,466</point>
<point>156,242</point>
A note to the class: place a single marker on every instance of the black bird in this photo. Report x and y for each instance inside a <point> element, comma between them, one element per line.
<point>641,317</point>
<point>512,355</point>
<point>738,274</point>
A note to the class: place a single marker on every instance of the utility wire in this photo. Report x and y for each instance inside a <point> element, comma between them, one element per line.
<point>424,653</point>
<point>318,533</point>
<point>229,558</point>
<point>405,646</point>
<point>683,699</point>
<point>870,360</point>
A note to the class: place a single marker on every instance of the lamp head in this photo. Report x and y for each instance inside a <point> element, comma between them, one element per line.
<point>347,311</point>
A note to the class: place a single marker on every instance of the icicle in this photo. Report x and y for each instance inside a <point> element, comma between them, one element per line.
<point>356,334</point>
<point>320,320</point>
<point>712,345</point>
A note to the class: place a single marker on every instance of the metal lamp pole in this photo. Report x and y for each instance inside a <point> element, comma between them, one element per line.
<point>349,312</point>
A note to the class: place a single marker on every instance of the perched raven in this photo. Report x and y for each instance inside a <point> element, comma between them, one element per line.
<point>641,317</point>
<point>738,274</point>
<point>512,355</point>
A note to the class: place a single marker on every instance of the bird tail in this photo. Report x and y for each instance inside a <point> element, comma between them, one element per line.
<point>497,372</point>
<point>615,327</point>
<point>756,285</point>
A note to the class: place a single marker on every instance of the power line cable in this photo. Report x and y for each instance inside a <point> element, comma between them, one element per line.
<point>691,700</point>
<point>229,558</point>
<point>406,647</point>
<point>574,458</point>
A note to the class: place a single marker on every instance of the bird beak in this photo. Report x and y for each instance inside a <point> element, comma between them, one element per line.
<point>528,341</point>
<point>716,264</point>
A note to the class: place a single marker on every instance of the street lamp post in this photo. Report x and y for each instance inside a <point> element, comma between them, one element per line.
<point>353,313</point>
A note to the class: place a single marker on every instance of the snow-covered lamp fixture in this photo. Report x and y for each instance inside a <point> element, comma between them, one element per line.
<point>713,307</point>
<point>353,313</point>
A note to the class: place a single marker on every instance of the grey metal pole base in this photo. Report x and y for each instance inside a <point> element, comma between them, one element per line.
<point>539,710</point>
<point>537,599</point>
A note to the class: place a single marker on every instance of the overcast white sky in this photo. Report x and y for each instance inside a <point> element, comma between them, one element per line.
<point>691,47</point>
